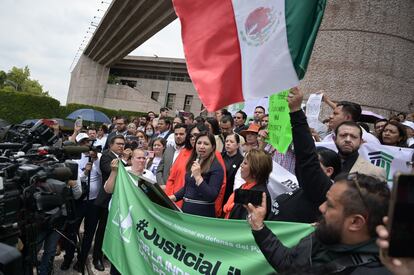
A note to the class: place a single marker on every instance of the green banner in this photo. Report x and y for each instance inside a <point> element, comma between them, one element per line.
<point>280,131</point>
<point>144,238</point>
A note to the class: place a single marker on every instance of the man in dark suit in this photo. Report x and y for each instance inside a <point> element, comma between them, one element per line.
<point>116,148</point>
<point>121,129</point>
<point>164,126</point>
<point>171,153</point>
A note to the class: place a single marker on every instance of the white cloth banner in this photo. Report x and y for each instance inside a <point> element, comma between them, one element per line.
<point>392,159</point>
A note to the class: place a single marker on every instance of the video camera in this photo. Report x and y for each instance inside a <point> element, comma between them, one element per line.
<point>33,176</point>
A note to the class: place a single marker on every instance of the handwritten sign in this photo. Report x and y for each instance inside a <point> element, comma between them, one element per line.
<point>280,131</point>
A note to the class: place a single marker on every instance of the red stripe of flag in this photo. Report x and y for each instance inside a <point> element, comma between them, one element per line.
<point>212,50</point>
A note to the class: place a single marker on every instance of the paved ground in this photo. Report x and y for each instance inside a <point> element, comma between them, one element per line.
<point>89,270</point>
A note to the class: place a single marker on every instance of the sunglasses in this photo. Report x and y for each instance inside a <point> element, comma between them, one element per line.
<point>353,177</point>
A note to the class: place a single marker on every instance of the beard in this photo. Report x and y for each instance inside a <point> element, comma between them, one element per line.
<point>345,152</point>
<point>327,234</point>
<point>180,144</point>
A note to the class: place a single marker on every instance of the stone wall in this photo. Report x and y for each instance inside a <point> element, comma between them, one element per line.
<point>364,53</point>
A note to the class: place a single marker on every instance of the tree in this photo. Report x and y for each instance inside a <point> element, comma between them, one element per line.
<point>3,77</point>
<point>19,80</point>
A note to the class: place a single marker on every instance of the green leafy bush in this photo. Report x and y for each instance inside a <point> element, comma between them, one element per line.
<point>16,107</point>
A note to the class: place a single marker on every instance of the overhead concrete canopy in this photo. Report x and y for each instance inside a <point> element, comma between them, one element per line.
<point>125,26</point>
<point>153,64</point>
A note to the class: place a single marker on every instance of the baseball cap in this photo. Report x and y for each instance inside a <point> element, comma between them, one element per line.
<point>81,136</point>
<point>408,124</point>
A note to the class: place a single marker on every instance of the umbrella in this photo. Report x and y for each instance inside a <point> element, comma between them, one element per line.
<point>370,117</point>
<point>90,115</point>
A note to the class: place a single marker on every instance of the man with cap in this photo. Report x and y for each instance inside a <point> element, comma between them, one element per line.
<point>90,177</point>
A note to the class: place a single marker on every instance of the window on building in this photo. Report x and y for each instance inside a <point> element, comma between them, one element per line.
<point>187,103</point>
<point>155,95</point>
<point>130,83</point>
<point>170,101</point>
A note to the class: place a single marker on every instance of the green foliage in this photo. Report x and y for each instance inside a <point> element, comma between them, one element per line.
<point>16,107</point>
<point>3,77</point>
<point>113,79</point>
<point>19,80</point>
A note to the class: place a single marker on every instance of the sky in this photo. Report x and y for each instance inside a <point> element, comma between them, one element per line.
<point>45,35</point>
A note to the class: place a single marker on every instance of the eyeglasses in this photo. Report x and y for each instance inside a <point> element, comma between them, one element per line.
<point>120,144</point>
<point>353,177</point>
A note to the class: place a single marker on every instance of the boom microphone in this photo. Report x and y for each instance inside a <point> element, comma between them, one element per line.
<point>75,149</point>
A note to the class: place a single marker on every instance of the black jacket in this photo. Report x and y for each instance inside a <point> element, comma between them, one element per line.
<point>302,204</point>
<point>232,165</point>
<point>103,198</point>
<point>311,255</point>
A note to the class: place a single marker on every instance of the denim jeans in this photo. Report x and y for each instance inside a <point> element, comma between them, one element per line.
<point>49,238</point>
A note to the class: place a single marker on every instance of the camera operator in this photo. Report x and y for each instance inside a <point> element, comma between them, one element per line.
<point>90,176</point>
<point>49,236</point>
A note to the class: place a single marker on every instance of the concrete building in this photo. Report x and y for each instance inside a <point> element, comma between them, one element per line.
<point>363,53</point>
<point>139,84</point>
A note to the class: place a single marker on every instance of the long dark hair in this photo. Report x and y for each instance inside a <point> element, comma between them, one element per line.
<point>201,128</point>
<point>401,131</point>
<point>329,158</point>
<point>214,125</point>
<point>206,163</point>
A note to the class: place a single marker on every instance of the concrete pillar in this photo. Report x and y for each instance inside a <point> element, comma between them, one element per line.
<point>88,82</point>
<point>364,53</point>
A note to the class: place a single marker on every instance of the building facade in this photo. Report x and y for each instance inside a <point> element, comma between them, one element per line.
<point>144,84</point>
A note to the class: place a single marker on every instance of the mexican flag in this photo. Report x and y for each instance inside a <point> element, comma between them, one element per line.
<point>243,49</point>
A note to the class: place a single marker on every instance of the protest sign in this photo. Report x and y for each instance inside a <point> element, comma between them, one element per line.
<point>144,238</point>
<point>313,108</point>
<point>280,132</point>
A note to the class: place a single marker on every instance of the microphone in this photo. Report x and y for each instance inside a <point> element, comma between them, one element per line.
<point>74,149</point>
<point>197,160</point>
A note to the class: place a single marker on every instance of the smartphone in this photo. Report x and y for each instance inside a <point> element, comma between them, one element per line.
<point>131,138</point>
<point>244,196</point>
<point>400,216</point>
<point>140,144</point>
<point>149,154</point>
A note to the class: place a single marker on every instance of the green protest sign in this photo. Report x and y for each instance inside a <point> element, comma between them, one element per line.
<point>280,131</point>
<point>144,238</point>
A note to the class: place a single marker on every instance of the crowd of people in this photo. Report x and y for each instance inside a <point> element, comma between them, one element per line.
<point>200,161</point>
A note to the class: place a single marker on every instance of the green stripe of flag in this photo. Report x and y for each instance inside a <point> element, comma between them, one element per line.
<point>303,18</point>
